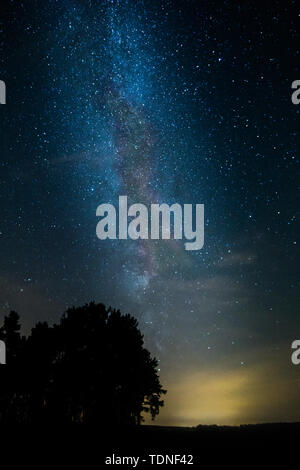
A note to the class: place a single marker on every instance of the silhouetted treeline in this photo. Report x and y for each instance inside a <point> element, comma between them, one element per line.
<point>91,367</point>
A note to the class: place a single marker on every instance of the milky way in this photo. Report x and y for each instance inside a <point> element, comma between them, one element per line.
<point>186,102</point>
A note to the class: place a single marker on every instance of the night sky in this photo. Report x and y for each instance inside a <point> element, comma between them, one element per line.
<point>163,101</point>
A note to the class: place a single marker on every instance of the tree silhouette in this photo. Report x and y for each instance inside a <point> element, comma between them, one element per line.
<point>91,367</point>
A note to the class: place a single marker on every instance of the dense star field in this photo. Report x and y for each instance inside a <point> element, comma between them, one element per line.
<point>162,101</point>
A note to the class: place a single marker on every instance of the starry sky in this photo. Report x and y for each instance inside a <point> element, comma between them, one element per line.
<point>163,101</point>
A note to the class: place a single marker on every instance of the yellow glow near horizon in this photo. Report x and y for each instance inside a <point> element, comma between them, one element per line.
<point>243,395</point>
<point>203,398</point>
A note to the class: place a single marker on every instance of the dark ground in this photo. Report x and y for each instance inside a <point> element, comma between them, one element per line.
<point>211,446</point>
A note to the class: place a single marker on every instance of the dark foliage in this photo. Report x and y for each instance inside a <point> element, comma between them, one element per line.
<point>92,367</point>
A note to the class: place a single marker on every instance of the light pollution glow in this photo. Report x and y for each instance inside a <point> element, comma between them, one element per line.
<point>245,395</point>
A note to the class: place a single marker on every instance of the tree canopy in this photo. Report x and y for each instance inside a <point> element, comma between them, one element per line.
<point>90,367</point>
